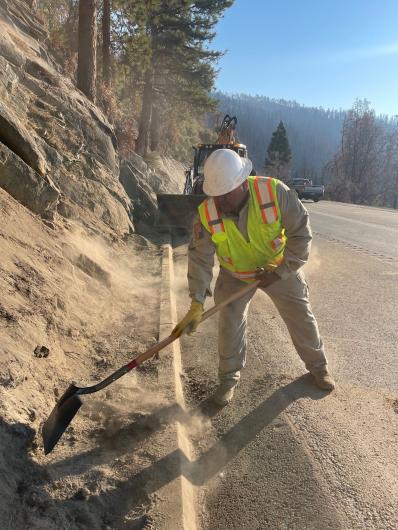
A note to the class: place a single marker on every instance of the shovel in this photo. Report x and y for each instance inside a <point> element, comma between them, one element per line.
<point>70,402</point>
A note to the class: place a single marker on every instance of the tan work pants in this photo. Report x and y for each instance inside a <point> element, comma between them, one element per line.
<point>291,298</point>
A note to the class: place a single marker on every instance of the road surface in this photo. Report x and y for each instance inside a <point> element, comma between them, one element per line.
<point>284,454</point>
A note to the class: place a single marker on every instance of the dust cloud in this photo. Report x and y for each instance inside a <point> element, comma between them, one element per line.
<point>112,312</point>
<point>122,263</point>
<point>314,263</point>
<point>197,425</point>
<point>180,283</point>
<point>124,285</point>
<point>125,404</point>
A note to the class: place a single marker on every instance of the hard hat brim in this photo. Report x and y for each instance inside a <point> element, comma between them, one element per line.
<point>208,187</point>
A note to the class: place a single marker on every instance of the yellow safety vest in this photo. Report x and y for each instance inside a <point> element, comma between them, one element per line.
<point>267,238</point>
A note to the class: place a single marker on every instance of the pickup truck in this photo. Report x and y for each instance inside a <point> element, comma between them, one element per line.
<point>306,190</point>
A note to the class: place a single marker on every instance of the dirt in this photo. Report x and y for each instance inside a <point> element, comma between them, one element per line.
<point>285,454</point>
<point>74,307</point>
<point>196,387</point>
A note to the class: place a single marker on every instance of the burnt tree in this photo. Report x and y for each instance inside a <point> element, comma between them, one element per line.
<point>86,66</point>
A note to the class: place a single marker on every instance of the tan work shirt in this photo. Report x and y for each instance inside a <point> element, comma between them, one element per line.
<point>294,219</point>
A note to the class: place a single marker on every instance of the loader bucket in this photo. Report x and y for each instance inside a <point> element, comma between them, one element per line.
<point>177,211</point>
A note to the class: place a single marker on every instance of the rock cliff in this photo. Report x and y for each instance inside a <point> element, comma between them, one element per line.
<point>58,152</point>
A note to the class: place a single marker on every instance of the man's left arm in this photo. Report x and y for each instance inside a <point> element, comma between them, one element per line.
<point>296,222</point>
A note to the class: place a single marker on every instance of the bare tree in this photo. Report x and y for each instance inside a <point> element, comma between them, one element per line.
<point>106,42</point>
<point>86,67</point>
<point>390,171</point>
<point>366,167</point>
<point>142,144</point>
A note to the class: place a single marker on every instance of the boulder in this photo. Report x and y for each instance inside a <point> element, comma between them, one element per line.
<point>36,192</point>
<point>135,183</point>
<point>14,135</point>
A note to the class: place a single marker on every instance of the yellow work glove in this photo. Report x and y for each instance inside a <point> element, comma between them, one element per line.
<point>267,275</point>
<point>191,320</point>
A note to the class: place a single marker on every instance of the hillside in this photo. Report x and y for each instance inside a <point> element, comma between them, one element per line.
<point>70,310</point>
<point>314,134</point>
<point>74,277</point>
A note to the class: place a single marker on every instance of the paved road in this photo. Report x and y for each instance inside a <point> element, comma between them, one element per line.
<point>373,229</point>
<point>284,454</point>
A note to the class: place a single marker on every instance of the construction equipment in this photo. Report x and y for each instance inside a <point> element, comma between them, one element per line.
<point>178,211</point>
<point>69,403</point>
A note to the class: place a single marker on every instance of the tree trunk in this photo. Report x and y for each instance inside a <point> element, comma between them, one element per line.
<point>142,143</point>
<point>106,42</point>
<point>155,127</point>
<point>70,27</point>
<point>86,66</point>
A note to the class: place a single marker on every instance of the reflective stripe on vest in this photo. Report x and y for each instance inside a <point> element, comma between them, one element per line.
<point>266,200</point>
<point>245,276</point>
<point>215,222</point>
<point>277,243</point>
<point>213,217</point>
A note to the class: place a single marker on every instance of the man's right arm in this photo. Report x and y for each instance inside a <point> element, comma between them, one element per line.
<point>200,262</point>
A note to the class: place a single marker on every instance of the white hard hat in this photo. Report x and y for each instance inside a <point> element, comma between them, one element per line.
<point>224,171</point>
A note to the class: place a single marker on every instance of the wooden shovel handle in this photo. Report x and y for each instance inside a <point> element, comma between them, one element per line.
<point>247,289</point>
<point>171,338</point>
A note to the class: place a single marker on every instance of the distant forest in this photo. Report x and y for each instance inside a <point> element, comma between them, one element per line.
<point>354,153</point>
<point>314,133</point>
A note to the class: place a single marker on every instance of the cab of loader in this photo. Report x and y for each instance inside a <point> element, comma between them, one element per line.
<point>178,211</point>
<point>195,174</point>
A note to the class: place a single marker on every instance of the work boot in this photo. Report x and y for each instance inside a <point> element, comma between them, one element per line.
<point>324,380</point>
<point>224,393</point>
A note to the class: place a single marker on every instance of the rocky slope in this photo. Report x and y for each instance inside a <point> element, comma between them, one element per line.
<point>71,309</point>
<point>78,293</point>
<point>58,153</point>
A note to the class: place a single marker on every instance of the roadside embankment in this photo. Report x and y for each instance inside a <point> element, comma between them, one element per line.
<point>74,307</point>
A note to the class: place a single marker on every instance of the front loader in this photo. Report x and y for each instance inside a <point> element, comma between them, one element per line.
<point>178,211</point>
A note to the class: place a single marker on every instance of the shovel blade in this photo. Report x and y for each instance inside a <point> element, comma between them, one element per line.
<point>60,417</point>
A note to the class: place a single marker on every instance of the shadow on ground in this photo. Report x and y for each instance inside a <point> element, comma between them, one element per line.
<point>112,505</point>
<point>176,463</point>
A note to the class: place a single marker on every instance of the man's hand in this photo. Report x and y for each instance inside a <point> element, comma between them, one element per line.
<point>191,320</point>
<point>266,277</point>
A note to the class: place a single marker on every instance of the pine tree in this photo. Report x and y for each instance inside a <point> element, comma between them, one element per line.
<point>180,71</point>
<point>279,154</point>
<point>157,67</point>
<point>87,53</point>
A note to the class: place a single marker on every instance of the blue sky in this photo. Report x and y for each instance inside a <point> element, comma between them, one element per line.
<point>318,53</point>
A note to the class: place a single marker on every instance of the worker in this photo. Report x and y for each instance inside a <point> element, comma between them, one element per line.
<point>259,230</point>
